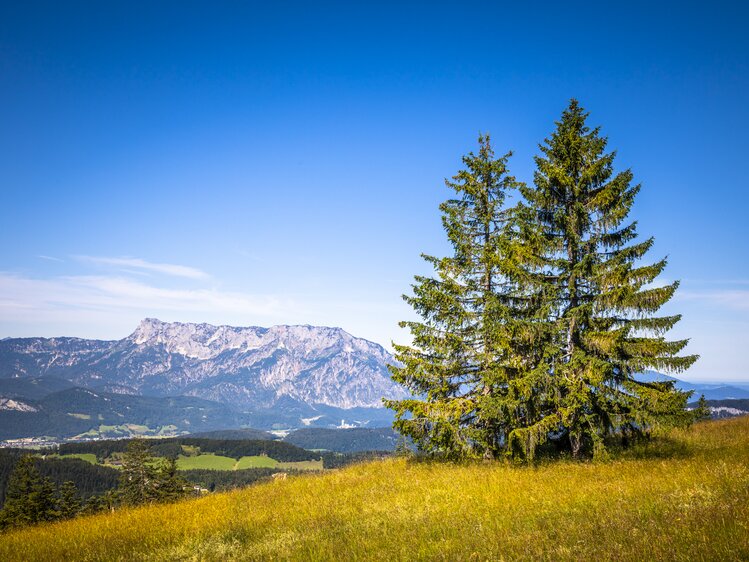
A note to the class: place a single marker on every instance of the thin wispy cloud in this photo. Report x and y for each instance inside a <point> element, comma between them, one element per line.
<point>736,281</point>
<point>735,299</point>
<point>110,306</point>
<point>116,293</point>
<point>48,258</point>
<point>143,265</point>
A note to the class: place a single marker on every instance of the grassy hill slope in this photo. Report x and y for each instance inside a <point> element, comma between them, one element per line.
<point>682,498</point>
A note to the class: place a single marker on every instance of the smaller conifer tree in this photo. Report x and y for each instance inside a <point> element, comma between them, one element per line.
<point>702,411</point>
<point>69,504</point>
<point>30,498</point>
<point>94,504</point>
<point>172,485</point>
<point>139,480</point>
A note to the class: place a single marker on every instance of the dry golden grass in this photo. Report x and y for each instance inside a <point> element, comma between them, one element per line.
<point>682,498</point>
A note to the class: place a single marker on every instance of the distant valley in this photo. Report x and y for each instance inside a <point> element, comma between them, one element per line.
<point>711,391</point>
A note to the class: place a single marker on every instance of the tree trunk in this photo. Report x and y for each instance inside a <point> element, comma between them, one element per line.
<point>576,444</point>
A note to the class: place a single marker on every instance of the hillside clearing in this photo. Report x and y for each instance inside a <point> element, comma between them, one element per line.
<point>218,462</point>
<point>681,498</point>
<point>256,461</point>
<point>301,465</point>
<point>208,460</point>
<point>88,457</point>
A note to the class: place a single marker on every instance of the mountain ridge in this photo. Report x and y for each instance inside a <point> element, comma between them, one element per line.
<point>711,391</point>
<point>246,367</point>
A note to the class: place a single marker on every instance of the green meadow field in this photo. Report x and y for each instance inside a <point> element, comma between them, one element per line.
<point>88,457</point>
<point>217,462</point>
<point>256,462</point>
<point>209,461</point>
<point>681,497</point>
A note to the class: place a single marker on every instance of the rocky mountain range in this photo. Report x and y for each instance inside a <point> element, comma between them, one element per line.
<point>248,368</point>
<point>278,377</point>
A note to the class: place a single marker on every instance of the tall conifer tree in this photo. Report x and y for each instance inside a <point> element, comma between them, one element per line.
<point>30,498</point>
<point>599,307</point>
<point>457,364</point>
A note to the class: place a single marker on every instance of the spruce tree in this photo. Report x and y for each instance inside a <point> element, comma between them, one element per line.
<point>30,498</point>
<point>94,504</point>
<point>68,504</point>
<point>138,478</point>
<point>597,307</point>
<point>47,501</point>
<point>702,411</point>
<point>458,365</point>
<point>172,485</point>
<point>109,500</point>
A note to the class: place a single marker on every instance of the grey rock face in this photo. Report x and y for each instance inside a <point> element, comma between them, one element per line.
<point>246,367</point>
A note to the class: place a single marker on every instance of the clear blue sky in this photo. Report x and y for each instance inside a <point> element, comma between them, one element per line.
<point>278,162</point>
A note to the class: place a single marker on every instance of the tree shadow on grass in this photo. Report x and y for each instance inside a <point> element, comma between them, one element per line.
<point>661,447</point>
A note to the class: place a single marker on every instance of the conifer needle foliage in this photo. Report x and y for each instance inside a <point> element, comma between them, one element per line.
<point>536,328</point>
<point>453,367</point>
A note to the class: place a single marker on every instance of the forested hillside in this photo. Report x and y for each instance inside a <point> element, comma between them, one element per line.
<point>89,479</point>
<point>345,440</point>
<point>174,446</point>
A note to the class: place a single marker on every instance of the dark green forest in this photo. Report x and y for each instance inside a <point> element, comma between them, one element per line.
<point>345,440</point>
<point>88,479</point>
<point>171,447</point>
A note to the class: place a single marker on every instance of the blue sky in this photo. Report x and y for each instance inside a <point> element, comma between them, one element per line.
<point>277,162</point>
